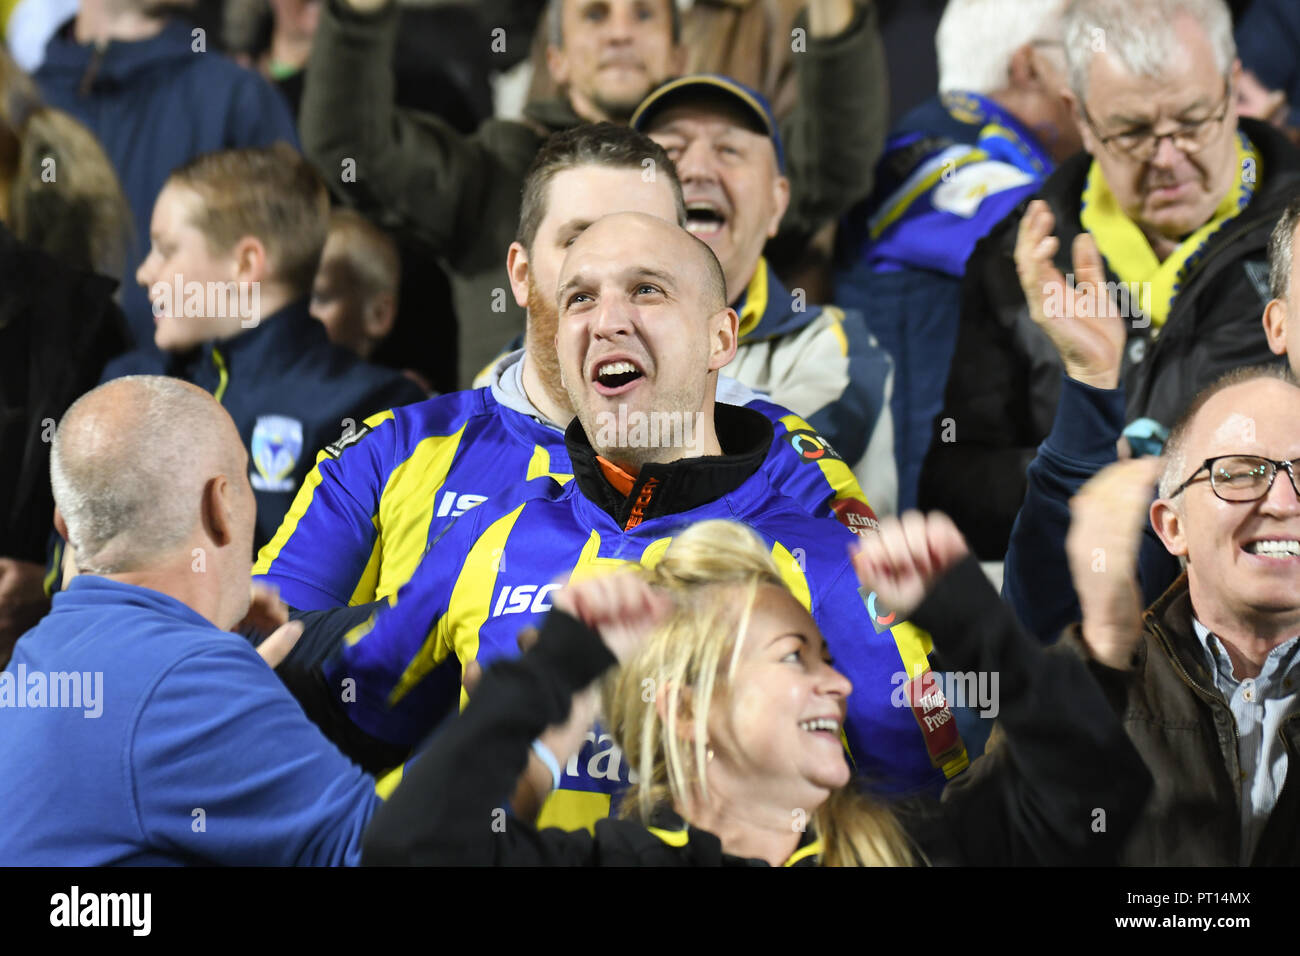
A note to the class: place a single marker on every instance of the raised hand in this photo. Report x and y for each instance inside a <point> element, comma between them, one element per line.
<point>1082,321</point>
<point>902,560</point>
<point>621,607</point>
<point>1107,518</point>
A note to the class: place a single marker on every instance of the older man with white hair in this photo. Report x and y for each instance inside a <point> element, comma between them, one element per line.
<point>952,169</point>
<point>1172,206</point>
<point>138,730</point>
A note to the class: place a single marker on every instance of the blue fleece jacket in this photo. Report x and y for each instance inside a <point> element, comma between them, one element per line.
<point>156,104</point>
<point>179,745</point>
<point>291,393</point>
<point>1036,578</point>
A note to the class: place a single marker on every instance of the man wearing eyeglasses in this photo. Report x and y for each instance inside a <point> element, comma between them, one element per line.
<point>1210,697</point>
<point>1169,210</point>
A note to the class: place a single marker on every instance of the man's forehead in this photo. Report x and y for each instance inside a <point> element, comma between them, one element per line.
<point>1256,417</point>
<point>1188,76</point>
<point>582,194</point>
<point>706,113</point>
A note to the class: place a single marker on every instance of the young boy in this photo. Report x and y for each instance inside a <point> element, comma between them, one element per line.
<point>236,238</point>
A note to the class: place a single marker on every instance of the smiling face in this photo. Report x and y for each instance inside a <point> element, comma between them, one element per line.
<point>776,731</point>
<point>575,199</point>
<point>177,247</point>
<point>1232,576</point>
<point>735,195</point>
<point>614,53</point>
<point>642,325</point>
<point>1174,192</point>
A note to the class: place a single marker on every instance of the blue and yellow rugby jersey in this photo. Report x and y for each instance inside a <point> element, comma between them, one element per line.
<point>492,572</point>
<point>367,511</point>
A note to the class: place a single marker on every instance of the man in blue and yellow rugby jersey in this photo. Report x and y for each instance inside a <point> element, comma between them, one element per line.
<point>368,510</point>
<point>643,330</point>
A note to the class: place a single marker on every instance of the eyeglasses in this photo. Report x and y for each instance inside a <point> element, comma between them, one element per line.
<point>1142,142</point>
<point>1240,477</point>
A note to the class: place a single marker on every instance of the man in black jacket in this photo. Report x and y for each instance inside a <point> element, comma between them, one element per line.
<point>459,194</point>
<point>58,327</point>
<point>1177,197</point>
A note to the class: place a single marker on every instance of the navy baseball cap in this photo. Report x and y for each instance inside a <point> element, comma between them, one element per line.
<point>750,102</point>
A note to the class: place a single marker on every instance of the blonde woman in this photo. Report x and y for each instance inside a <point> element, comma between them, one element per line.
<point>729,711</point>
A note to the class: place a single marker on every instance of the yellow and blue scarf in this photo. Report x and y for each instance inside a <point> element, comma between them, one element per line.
<point>1129,254</point>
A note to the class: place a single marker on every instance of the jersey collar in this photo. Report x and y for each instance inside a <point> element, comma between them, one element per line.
<point>678,486</point>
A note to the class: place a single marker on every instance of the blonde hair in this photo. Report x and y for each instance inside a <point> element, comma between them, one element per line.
<point>714,571</point>
<point>269,192</point>
<point>60,191</point>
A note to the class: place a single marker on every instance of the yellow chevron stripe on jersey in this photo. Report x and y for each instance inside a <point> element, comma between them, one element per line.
<point>301,502</point>
<point>914,647</point>
<point>404,508</point>
<point>792,573</point>
<point>539,466</point>
<point>835,470</point>
<point>368,583</point>
<point>573,810</point>
<point>591,565</point>
<point>654,552</point>
<point>470,603</point>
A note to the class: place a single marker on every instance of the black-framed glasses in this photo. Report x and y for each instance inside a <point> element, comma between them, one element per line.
<point>1240,477</point>
<point>1142,142</point>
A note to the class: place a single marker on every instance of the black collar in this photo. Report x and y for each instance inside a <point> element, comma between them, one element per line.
<point>674,487</point>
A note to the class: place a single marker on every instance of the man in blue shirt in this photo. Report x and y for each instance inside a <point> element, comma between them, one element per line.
<point>138,730</point>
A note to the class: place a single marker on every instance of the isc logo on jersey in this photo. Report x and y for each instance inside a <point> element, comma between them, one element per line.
<point>523,598</point>
<point>453,505</point>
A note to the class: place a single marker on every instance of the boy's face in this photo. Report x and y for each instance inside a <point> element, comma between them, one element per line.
<point>179,272</point>
<point>338,298</point>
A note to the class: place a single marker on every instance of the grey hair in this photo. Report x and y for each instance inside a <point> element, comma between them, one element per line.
<point>555,22</point>
<point>976,40</point>
<point>1175,450</point>
<point>1140,35</point>
<point>1281,244</point>
<point>132,494</point>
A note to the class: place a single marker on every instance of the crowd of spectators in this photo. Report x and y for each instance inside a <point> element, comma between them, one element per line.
<point>485,432</point>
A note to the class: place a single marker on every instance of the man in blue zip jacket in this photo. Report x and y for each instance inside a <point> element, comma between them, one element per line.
<point>157,93</point>
<point>137,729</point>
<point>236,239</point>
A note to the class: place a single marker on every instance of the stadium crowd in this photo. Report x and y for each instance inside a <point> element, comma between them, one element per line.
<point>642,432</point>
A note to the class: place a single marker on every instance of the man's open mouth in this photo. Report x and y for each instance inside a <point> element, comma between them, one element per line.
<point>704,218</point>
<point>615,376</point>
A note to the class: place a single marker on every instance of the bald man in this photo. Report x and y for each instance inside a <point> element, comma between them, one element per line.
<point>137,728</point>
<point>643,328</point>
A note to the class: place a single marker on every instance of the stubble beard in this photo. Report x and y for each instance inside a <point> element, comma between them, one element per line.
<point>539,343</point>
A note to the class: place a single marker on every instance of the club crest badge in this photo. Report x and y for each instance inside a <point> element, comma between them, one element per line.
<point>275,449</point>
